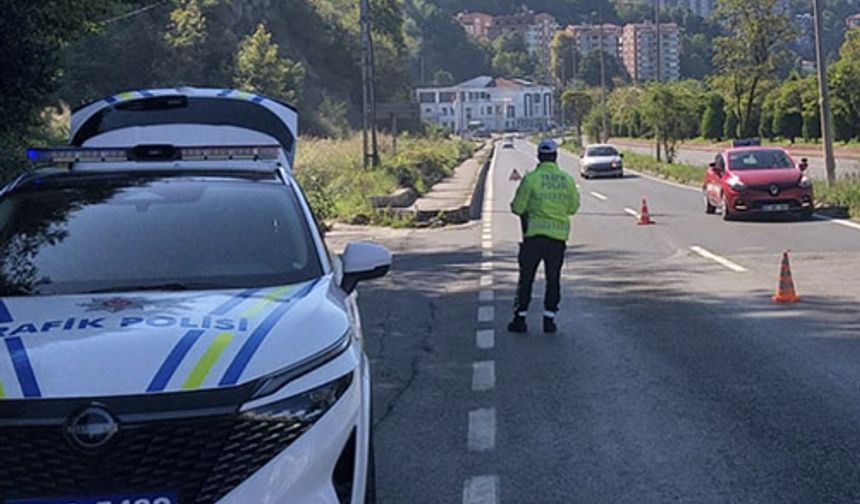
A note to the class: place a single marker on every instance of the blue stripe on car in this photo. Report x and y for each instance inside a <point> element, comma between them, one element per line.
<point>29,386</point>
<point>165,372</point>
<point>240,362</point>
<point>234,301</point>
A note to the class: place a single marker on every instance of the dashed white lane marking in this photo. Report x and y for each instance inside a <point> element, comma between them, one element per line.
<point>485,339</point>
<point>486,280</point>
<point>842,222</point>
<point>486,313</point>
<point>481,490</point>
<point>599,196</point>
<point>482,430</point>
<point>483,376</point>
<point>487,237</point>
<point>487,253</point>
<point>487,266</point>
<point>718,259</point>
<point>632,212</point>
<point>486,244</point>
<point>486,296</point>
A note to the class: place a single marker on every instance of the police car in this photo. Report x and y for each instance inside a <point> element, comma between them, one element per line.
<point>174,330</point>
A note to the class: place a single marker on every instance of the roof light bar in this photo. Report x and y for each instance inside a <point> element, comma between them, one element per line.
<point>747,142</point>
<point>153,153</point>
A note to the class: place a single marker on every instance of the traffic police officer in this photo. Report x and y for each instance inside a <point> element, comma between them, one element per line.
<point>545,200</point>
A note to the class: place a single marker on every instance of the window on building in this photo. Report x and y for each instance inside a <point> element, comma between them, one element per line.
<point>447,97</point>
<point>428,110</point>
<point>511,112</point>
<point>427,97</point>
<point>444,110</point>
<point>468,112</point>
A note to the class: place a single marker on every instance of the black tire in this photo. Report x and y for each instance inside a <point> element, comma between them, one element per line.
<point>727,216</point>
<point>620,175</point>
<point>370,482</point>
<point>709,208</point>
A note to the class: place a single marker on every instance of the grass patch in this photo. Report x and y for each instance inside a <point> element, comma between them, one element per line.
<point>679,172</point>
<point>845,192</point>
<point>338,187</point>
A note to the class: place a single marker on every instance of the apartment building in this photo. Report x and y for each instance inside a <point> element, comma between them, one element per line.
<point>640,55</point>
<point>588,38</point>
<point>476,24</point>
<point>537,30</point>
<point>853,21</point>
<point>493,104</point>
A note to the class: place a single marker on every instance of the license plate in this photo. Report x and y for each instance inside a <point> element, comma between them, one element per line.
<point>149,498</point>
<point>781,207</point>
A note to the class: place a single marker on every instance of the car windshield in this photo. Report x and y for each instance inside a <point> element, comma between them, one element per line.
<point>102,234</point>
<point>759,160</point>
<point>600,151</point>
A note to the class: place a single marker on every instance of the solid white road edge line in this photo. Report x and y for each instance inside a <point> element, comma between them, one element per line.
<point>485,339</point>
<point>664,181</point>
<point>483,376</point>
<point>718,259</point>
<point>486,296</point>
<point>481,490</point>
<point>598,196</point>
<point>842,222</point>
<point>482,430</point>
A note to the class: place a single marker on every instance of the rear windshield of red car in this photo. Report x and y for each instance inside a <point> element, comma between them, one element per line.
<point>759,159</point>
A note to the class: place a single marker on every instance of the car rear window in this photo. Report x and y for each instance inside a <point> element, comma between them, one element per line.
<point>600,151</point>
<point>184,110</point>
<point>104,235</point>
<point>759,159</point>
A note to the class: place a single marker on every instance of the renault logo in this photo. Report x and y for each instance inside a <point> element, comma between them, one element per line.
<point>774,189</point>
<point>91,428</point>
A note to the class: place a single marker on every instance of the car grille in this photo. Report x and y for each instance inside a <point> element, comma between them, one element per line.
<point>766,187</point>
<point>601,167</point>
<point>201,459</point>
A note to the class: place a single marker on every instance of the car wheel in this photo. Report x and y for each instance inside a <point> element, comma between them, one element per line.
<point>620,175</point>
<point>806,214</point>
<point>709,208</point>
<point>727,215</point>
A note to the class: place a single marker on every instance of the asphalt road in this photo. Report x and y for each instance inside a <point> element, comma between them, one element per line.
<point>699,157</point>
<point>674,377</point>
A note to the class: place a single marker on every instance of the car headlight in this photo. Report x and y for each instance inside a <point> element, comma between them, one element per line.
<point>736,183</point>
<point>616,164</point>
<point>804,182</point>
<point>305,408</point>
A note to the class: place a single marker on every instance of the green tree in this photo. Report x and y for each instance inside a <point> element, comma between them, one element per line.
<point>562,58</point>
<point>625,104</point>
<point>787,112</point>
<point>845,84</point>
<point>443,78</point>
<point>749,54</point>
<point>714,117</point>
<point>511,57</point>
<point>670,110</point>
<point>186,37</point>
<point>578,103</point>
<point>589,69</point>
<point>259,68</point>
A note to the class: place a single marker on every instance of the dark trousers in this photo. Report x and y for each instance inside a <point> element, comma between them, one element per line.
<point>532,251</point>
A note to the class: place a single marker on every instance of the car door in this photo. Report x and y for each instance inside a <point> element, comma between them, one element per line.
<point>713,184</point>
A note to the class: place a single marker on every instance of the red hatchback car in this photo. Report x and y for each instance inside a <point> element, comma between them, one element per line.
<point>755,180</point>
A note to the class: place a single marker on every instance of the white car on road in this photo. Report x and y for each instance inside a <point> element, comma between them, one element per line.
<point>601,160</point>
<point>174,329</point>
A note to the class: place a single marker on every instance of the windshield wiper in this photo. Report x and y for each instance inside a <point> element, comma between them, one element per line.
<point>170,286</point>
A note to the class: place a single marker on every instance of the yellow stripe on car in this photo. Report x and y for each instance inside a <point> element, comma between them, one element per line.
<point>204,366</point>
<point>261,305</point>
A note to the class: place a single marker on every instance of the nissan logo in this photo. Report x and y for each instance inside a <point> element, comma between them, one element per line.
<point>92,428</point>
<point>774,189</point>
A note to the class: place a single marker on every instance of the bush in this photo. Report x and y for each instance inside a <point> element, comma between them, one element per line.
<point>845,192</point>
<point>683,173</point>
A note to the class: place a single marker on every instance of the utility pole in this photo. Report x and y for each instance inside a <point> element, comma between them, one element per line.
<point>368,101</point>
<point>604,129</point>
<point>824,98</point>
<point>658,72</point>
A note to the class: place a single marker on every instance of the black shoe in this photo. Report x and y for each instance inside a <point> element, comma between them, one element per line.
<point>518,325</point>
<point>549,325</point>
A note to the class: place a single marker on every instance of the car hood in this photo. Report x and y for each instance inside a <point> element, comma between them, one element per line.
<point>770,176</point>
<point>601,160</point>
<point>133,343</point>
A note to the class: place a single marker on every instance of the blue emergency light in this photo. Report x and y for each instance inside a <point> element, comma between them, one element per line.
<point>747,142</point>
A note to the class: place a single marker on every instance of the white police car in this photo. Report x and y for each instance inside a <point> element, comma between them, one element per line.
<point>173,327</point>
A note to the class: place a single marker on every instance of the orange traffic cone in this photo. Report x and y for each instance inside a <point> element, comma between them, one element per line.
<point>785,292</point>
<point>644,216</point>
<point>515,175</point>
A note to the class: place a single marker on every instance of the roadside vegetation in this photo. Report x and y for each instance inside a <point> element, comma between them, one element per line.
<point>844,193</point>
<point>339,187</point>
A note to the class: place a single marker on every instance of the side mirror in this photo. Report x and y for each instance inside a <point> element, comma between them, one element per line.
<point>363,261</point>
<point>712,166</point>
<point>804,164</point>
<point>621,155</point>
